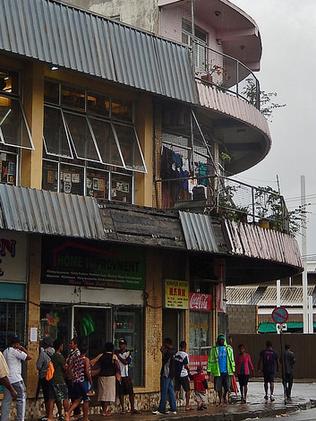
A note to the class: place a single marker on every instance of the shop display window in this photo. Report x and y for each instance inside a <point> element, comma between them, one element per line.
<point>73,97</point>
<point>12,322</point>
<point>121,110</point>
<point>130,147</point>
<point>129,324</point>
<point>97,183</point>
<point>9,82</point>
<point>13,128</point>
<point>55,322</point>
<point>98,104</point>
<point>71,179</point>
<point>8,168</point>
<point>200,332</point>
<point>104,136</point>
<point>121,188</point>
<point>50,176</point>
<point>55,135</point>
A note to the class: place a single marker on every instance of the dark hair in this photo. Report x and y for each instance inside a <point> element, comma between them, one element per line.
<point>167,341</point>
<point>14,340</point>
<point>109,347</point>
<point>268,344</point>
<point>183,344</point>
<point>83,349</point>
<point>241,346</point>
<point>58,343</point>
<point>287,346</point>
<point>74,340</point>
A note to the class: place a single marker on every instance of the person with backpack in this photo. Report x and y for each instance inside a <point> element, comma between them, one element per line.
<point>45,369</point>
<point>14,355</point>
<point>268,362</point>
<point>166,379</point>
<point>182,373</point>
<point>59,383</point>
<point>221,365</point>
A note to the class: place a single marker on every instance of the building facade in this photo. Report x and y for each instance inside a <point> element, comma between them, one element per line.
<point>117,219</point>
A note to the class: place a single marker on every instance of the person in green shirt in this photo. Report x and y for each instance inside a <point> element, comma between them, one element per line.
<point>60,387</point>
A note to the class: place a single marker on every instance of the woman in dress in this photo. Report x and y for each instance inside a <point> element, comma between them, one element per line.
<point>244,368</point>
<point>109,371</point>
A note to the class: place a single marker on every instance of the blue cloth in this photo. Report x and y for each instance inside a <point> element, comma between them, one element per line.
<point>222,359</point>
<point>20,402</point>
<point>167,392</point>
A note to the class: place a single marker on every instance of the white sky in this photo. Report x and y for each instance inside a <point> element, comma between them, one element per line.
<point>288,66</point>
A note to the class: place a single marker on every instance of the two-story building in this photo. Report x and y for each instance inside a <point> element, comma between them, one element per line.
<point>117,219</point>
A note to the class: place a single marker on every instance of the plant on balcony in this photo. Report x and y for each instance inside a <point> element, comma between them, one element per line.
<point>267,105</point>
<point>227,206</point>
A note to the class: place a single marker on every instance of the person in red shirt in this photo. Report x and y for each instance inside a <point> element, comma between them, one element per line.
<point>244,368</point>
<point>200,388</point>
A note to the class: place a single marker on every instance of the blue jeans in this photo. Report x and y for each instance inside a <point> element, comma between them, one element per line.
<point>167,391</point>
<point>20,402</point>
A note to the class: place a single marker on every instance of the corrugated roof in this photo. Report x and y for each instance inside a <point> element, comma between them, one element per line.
<point>44,212</point>
<point>65,36</point>
<point>198,232</point>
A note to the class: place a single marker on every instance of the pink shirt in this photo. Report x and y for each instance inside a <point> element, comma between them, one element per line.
<point>244,359</point>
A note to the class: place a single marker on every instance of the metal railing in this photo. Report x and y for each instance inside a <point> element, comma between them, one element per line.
<point>225,197</point>
<point>225,72</point>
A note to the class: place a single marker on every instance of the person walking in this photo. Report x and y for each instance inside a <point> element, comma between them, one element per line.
<point>14,355</point>
<point>109,372</point>
<point>288,361</point>
<point>244,368</point>
<point>182,372</point>
<point>221,365</point>
<point>125,387</point>
<point>81,383</point>
<point>59,383</point>
<point>268,364</point>
<point>73,354</point>
<point>166,379</point>
<point>42,364</point>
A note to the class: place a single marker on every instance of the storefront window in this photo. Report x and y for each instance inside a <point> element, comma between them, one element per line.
<point>12,322</point>
<point>121,188</point>
<point>56,321</point>
<point>200,332</point>
<point>8,168</point>
<point>50,176</point>
<point>129,324</point>
<point>97,184</point>
<point>71,179</point>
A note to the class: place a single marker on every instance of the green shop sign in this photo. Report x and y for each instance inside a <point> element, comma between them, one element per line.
<point>84,263</point>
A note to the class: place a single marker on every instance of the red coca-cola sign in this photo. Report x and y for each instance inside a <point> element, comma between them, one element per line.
<point>200,302</point>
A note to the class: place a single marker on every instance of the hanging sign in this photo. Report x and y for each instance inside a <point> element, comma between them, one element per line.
<point>177,294</point>
<point>200,302</point>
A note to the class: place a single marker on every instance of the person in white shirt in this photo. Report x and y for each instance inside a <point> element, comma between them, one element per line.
<point>181,362</point>
<point>125,386</point>
<point>14,355</point>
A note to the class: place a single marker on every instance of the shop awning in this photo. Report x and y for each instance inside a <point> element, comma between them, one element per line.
<point>68,37</point>
<point>269,327</point>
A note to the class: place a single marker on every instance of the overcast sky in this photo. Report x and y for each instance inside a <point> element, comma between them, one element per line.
<point>288,66</point>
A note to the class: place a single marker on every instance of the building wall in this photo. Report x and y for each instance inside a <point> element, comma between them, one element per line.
<point>242,319</point>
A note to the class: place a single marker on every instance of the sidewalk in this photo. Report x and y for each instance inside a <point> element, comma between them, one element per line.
<point>256,408</point>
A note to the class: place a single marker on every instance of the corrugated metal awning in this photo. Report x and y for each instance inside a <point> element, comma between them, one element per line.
<point>44,212</point>
<point>68,37</point>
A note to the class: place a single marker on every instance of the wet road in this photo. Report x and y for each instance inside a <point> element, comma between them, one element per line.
<point>309,415</point>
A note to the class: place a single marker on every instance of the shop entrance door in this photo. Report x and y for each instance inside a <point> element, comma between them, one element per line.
<point>173,325</point>
<point>93,327</point>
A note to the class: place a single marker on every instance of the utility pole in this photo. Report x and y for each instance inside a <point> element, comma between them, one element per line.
<point>278,285</point>
<point>304,253</point>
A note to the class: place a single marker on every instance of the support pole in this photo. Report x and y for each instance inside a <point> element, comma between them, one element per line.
<point>278,285</point>
<point>304,253</point>
<point>310,314</point>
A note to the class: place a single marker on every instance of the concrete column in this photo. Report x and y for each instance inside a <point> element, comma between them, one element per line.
<point>33,310</point>
<point>33,103</point>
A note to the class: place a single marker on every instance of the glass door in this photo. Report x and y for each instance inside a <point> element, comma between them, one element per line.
<point>93,327</point>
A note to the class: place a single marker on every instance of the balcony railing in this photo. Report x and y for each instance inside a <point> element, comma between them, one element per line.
<point>226,73</point>
<point>225,197</point>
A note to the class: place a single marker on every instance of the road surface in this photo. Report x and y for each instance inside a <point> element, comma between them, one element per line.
<point>309,415</point>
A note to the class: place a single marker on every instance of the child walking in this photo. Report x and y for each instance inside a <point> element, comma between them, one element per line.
<point>200,388</point>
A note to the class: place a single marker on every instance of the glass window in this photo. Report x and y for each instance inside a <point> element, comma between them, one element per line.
<point>71,179</point>
<point>51,92</point>
<point>13,129</point>
<point>98,104</point>
<point>200,329</point>
<point>106,142</point>
<point>50,176</point>
<point>9,82</point>
<point>130,148</point>
<point>121,188</point>
<point>55,134</point>
<point>129,324</point>
<point>73,97</point>
<point>8,168</point>
<point>97,184</point>
<point>121,110</point>
<point>12,322</point>
<point>81,136</point>
<point>55,322</point>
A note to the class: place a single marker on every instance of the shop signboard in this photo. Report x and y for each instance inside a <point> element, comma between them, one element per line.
<point>12,257</point>
<point>198,360</point>
<point>82,263</point>
<point>200,302</point>
<point>176,294</point>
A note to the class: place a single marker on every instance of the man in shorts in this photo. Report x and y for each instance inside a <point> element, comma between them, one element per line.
<point>268,364</point>
<point>181,362</point>
<point>46,353</point>
<point>125,386</point>
<point>59,383</point>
